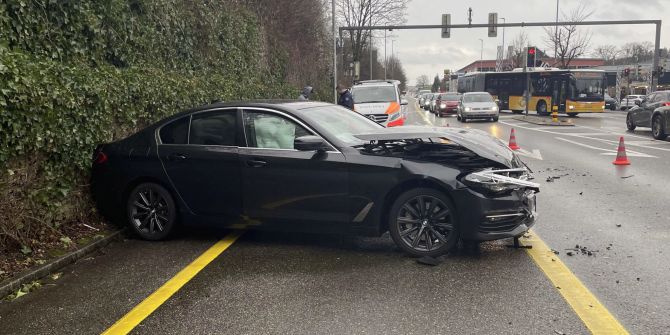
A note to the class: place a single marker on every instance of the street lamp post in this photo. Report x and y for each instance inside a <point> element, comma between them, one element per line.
<point>481,54</point>
<point>385,60</point>
<point>503,43</point>
<point>392,59</point>
<point>556,34</point>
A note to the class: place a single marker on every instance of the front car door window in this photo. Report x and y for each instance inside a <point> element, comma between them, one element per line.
<point>271,131</point>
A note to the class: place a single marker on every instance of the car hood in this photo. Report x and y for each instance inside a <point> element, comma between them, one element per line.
<point>372,107</point>
<point>477,141</point>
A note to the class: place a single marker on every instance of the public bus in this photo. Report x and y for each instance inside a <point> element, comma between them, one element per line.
<point>573,91</point>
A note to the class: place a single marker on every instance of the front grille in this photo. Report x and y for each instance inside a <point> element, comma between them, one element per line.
<point>379,118</point>
<point>503,222</point>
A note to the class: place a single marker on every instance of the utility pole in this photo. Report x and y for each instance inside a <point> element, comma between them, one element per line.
<point>393,59</point>
<point>481,55</point>
<point>370,44</point>
<point>503,43</point>
<point>556,35</point>
<point>385,60</point>
<point>334,53</point>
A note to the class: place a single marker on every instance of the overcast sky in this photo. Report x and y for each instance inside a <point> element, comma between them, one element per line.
<point>425,52</point>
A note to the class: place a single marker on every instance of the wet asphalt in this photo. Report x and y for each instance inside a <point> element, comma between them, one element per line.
<point>270,283</point>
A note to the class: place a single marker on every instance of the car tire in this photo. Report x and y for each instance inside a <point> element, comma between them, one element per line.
<point>495,119</point>
<point>658,128</point>
<point>432,231</point>
<point>151,211</point>
<point>629,122</point>
<point>573,114</point>
<point>517,111</point>
<point>541,108</point>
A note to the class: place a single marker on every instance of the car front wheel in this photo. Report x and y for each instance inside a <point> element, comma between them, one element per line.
<point>658,128</point>
<point>629,122</point>
<point>151,211</point>
<point>422,222</point>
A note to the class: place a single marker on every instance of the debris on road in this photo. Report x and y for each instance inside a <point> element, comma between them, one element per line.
<point>581,249</point>
<point>618,225</point>
<point>555,252</point>
<point>626,177</point>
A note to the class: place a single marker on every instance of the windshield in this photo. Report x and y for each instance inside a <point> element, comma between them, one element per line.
<point>477,98</point>
<point>366,94</point>
<point>341,123</point>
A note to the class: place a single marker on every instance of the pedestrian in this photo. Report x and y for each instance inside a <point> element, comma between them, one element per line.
<point>345,99</point>
<point>306,92</point>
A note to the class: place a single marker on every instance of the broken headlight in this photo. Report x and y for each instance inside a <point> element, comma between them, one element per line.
<point>499,181</point>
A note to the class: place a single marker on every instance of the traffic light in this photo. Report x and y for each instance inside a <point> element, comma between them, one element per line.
<point>530,56</point>
<point>626,72</point>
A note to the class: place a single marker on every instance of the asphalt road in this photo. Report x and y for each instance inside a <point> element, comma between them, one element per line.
<point>321,284</point>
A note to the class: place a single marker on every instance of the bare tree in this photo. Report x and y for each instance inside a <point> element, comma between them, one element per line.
<point>607,52</point>
<point>637,51</point>
<point>422,81</point>
<point>568,41</point>
<point>519,45</point>
<point>368,12</point>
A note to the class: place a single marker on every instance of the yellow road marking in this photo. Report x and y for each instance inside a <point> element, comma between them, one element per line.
<point>594,315</point>
<point>153,301</point>
<point>420,112</point>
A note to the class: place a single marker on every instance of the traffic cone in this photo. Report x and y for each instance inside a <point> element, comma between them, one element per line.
<point>621,158</point>
<point>512,141</point>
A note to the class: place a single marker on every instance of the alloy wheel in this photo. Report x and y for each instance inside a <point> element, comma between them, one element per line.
<point>425,223</point>
<point>149,212</point>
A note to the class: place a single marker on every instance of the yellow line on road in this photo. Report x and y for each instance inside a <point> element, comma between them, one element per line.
<point>153,301</point>
<point>420,112</point>
<point>594,315</point>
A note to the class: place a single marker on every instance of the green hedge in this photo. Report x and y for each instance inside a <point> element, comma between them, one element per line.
<point>77,73</point>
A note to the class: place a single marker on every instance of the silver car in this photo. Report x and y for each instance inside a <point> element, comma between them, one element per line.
<point>477,105</point>
<point>629,101</point>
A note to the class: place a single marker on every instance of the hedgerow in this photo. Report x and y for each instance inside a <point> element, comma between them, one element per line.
<point>77,73</point>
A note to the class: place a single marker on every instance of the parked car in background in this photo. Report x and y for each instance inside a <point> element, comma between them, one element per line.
<point>314,167</point>
<point>610,103</point>
<point>477,105</point>
<point>629,101</point>
<point>447,103</point>
<point>380,101</point>
<point>652,112</point>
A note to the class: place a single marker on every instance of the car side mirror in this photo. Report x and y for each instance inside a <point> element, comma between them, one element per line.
<point>638,102</point>
<point>498,102</point>
<point>403,102</point>
<point>309,143</point>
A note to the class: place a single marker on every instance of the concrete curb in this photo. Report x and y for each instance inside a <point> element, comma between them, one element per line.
<point>545,122</point>
<point>11,285</point>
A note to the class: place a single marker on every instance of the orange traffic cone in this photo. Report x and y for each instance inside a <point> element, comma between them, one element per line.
<point>512,141</point>
<point>621,158</point>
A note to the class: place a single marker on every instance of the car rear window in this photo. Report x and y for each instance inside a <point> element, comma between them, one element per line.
<point>175,132</point>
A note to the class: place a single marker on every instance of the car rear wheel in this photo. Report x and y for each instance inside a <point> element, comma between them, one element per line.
<point>422,222</point>
<point>572,114</point>
<point>658,128</point>
<point>151,211</point>
<point>629,122</point>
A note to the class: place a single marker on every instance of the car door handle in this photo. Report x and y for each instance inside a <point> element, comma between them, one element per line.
<point>256,163</point>
<point>176,157</point>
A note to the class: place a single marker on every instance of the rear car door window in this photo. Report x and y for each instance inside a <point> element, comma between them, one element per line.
<point>175,132</point>
<point>214,128</point>
<point>271,131</point>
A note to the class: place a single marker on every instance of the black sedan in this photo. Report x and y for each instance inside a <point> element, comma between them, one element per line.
<point>652,111</point>
<point>309,166</point>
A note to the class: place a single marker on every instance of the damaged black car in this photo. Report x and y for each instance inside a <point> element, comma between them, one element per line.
<point>314,167</point>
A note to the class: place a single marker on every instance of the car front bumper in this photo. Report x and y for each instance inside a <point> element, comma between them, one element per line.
<point>479,115</point>
<point>484,218</point>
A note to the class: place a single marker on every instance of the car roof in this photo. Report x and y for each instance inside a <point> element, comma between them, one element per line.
<point>472,93</point>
